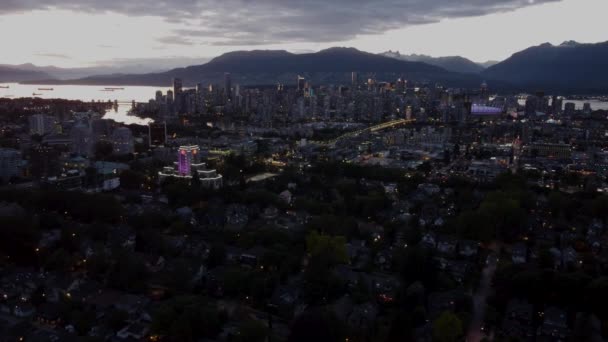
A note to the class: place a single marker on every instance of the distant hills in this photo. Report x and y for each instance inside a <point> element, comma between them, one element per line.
<point>569,67</point>
<point>119,66</point>
<point>271,66</point>
<point>451,63</point>
<point>12,74</point>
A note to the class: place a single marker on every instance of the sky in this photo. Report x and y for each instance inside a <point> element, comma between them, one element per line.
<point>79,33</point>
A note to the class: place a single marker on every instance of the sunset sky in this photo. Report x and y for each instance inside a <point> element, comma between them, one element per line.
<point>73,33</point>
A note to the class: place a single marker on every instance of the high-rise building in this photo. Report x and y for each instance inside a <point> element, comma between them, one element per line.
<point>169,97</point>
<point>557,105</point>
<point>177,86</point>
<point>301,82</point>
<point>587,108</point>
<point>186,157</point>
<point>122,141</point>
<point>569,108</point>
<point>159,96</point>
<point>227,85</point>
<point>42,124</point>
<point>10,161</point>
<point>82,142</point>
<point>354,78</point>
<point>101,128</point>
<point>44,162</point>
<point>484,95</point>
<point>157,134</point>
<point>531,105</point>
<point>408,113</point>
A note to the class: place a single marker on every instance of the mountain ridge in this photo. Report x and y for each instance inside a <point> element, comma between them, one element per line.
<point>450,63</point>
<point>571,66</point>
<point>333,65</point>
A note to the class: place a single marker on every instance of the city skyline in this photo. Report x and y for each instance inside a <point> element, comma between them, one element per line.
<point>170,34</point>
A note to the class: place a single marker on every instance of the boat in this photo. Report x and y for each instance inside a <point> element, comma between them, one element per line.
<point>4,87</point>
<point>48,89</point>
<point>106,90</point>
<point>114,88</point>
<point>34,94</point>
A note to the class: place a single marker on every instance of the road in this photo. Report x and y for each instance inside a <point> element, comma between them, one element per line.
<point>375,128</point>
<point>475,334</point>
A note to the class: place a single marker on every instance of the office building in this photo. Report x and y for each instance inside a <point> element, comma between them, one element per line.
<point>177,86</point>
<point>157,134</point>
<point>227,85</point>
<point>44,161</point>
<point>42,124</point>
<point>10,162</point>
<point>587,108</point>
<point>570,108</point>
<point>301,82</point>
<point>81,139</point>
<point>122,141</point>
<point>186,157</point>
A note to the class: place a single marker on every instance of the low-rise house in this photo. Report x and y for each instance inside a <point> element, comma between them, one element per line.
<point>518,321</point>
<point>555,324</point>
<point>429,240</point>
<point>49,315</point>
<point>135,331</point>
<point>569,257</point>
<point>468,248</point>
<point>23,310</point>
<point>519,253</point>
<point>446,245</point>
<point>452,300</point>
<point>286,196</point>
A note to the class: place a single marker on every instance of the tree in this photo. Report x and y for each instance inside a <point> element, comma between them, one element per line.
<point>103,149</point>
<point>217,255</point>
<point>333,247</point>
<point>447,328</point>
<point>317,325</point>
<point>252,331</point>
<point>131,180</point>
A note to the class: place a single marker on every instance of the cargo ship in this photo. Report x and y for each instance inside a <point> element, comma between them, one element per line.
<point>45,89</point>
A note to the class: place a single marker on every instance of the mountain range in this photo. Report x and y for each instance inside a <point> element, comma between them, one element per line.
<point>13,74</point>
<point>450,63</point>
<point>570,67</point>
<point>258,67</point>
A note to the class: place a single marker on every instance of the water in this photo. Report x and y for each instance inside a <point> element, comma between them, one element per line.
<point>124,96</point>
<point>595,104</point>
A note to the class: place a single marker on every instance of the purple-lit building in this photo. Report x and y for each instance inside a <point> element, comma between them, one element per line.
<point>188,165</point>
<point>186,157</point>
<point>477,109</point>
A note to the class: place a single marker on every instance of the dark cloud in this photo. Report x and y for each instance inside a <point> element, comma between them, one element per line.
<point>175,40</point>
<point>53,55</point>
<point>255,22</point>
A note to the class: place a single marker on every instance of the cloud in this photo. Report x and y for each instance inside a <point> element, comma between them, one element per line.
<point>53,55</point>
<point>175,40</point>
<point>257,22</point>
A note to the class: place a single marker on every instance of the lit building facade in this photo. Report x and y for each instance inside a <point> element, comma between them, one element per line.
<point>188,166</point>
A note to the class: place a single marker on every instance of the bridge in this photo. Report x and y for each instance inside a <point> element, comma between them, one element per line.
<point>375,128</point>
